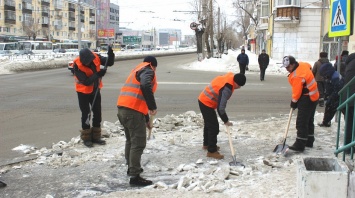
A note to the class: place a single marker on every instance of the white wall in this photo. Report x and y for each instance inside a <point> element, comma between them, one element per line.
<point>301,40</point>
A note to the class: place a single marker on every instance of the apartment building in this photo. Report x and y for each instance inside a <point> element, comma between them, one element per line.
<point>296,27</point>
<point>53,20</point>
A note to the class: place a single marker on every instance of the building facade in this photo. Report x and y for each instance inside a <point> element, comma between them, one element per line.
<point>54,20</point>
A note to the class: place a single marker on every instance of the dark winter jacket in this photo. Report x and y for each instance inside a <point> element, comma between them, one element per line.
<point>333,84</point>
<point>243,59</point>
<point>145,76</point>
<point>263,60</point>
<point>316,68</point>
<point>350,72</point>
<point>342,65</point>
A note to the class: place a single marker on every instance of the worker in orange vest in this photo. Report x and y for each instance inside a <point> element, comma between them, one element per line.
<point>305,97</point>
<point>215,96</point>
<point>135,103</point>
<point>88,75</point>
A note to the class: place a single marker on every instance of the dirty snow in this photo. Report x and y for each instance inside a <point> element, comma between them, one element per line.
<point>173,159</point>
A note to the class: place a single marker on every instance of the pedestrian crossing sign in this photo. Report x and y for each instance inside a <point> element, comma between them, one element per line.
<point>341,18</point>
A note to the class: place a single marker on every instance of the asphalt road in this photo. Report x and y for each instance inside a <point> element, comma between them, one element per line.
<point>40,108</point>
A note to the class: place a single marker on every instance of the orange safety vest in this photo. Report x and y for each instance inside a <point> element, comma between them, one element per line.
<point>83,88</point>
<point>209,96</point>
<point>302,78</point>
<point>131,95</point>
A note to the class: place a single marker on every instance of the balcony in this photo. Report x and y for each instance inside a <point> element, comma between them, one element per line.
<point>10,5</point>
<point>58,5</point>
<point>71,16</point>
<point>82,19</point>
<point>71,7</point>
<point>71,28</point>
<point>45,25</point>
<point>58,27</point>
<point>287,15</point>
<point>92,12</point>
<point>26,8</point>
<point>10,17</point>
<point>263,23</point>
<point>45,2</point>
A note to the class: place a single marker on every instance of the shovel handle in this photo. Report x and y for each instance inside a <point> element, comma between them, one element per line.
<point>288,124</point>
<point>230,140</point>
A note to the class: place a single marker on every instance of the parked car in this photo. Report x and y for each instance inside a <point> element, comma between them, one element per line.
<point>59,50</point>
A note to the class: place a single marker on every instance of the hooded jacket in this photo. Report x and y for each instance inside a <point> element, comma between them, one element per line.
<point>316,68</point>
<point>333,84</point>
<point>86,68</point>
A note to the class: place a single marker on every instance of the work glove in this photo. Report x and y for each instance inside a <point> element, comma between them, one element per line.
<point>293,105</point>
<point>102,72</point>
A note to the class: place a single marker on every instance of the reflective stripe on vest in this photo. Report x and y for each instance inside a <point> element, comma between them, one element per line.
<point>79,87</point>
<point>301,78</point>
<point>131,95</point>
<point>209,96</point>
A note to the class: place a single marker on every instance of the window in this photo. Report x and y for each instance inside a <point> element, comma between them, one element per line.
<point>20,6</point>
<point>288,3</point>
<point>20,18</point>
<point>264,9</point>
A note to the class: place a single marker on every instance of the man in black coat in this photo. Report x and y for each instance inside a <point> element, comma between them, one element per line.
<point>263,61</point>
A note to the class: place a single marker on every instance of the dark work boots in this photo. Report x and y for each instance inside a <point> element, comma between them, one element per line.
<point>139,181</point>
<point>325,124</point>
<point>309,142</point>
<point>86,136</point>
<point>96,136</point>
<point>299,145</point>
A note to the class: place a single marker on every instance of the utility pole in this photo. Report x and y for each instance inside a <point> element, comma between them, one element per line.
<point>211,27</point>
<point>79,26</point>
<point>204,17</point>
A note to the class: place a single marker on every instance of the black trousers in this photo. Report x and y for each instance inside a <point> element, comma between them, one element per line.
<point>305,117</point>
<point>329,112</point>
<point>85,100</point>
<point>242,68</point>
<point>262,72</point>
<point>321,88</point>
<point>211,127</point>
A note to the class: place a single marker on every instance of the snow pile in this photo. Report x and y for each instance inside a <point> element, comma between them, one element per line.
<point>175,161</point>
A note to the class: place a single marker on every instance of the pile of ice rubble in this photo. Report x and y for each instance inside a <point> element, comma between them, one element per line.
<point>184,130</point>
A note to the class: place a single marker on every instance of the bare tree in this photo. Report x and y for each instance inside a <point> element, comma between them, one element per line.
<point>246,17</point>
<point>30,28</point>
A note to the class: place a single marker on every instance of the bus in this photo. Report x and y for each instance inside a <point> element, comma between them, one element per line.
<point>12,46</point>
<point>71,47</point>
<point>115,47</point>
<point>37,47</point>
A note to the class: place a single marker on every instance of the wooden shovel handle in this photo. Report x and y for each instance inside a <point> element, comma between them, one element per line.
<point>288,124</point>
<point>230,140</point>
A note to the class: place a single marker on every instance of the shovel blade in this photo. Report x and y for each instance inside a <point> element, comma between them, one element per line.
<point>281,149</point>
<point>235,162</point>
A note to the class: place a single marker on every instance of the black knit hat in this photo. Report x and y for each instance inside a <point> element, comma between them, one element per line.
<point>152,60</point>
<point>240,79</point>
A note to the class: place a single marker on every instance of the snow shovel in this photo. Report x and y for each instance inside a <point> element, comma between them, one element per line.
<point>151,119</point>
<point>283,148</point>
<point>234,162</point>
<point>97,90</point>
